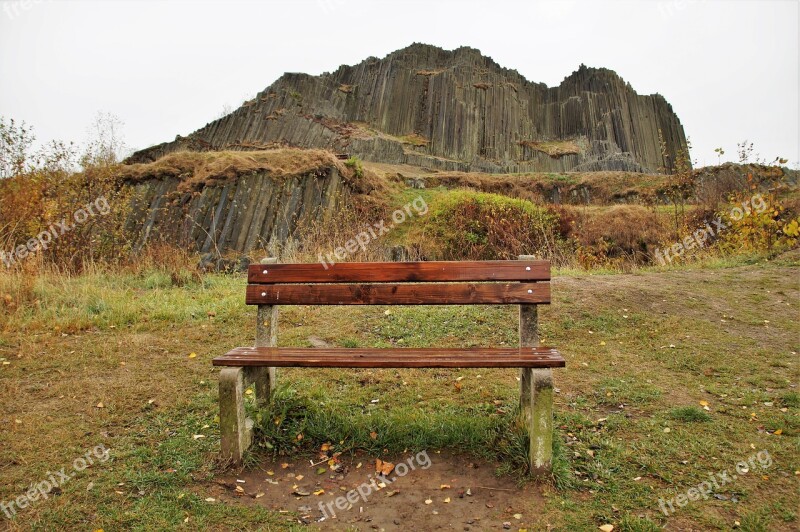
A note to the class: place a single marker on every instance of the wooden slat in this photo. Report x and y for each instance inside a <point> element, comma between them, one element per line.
<point>399,294</point>
<point>479,357</point>
<point>398,272</point>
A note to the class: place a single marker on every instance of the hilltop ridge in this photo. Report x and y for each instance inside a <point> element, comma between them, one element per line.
<point>451,110</point>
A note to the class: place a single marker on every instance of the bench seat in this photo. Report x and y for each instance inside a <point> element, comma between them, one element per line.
<point>473,357</point>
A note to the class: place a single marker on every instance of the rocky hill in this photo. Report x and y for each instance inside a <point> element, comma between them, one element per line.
<point>451,110</point>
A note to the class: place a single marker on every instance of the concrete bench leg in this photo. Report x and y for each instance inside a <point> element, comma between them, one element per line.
<point>537,414</point>
<point>236,430</point>
<point>536,395</point>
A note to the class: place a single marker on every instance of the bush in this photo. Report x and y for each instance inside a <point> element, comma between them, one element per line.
<point>465,225</point>
<point>354,163</point>
<point>622,232</point>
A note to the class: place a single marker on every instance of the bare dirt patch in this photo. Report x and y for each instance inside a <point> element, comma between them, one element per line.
<point>464,494</point>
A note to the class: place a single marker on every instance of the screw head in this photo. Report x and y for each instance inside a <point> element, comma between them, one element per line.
<point>263,294</point>
<point>530,291</point>
<point>266,272</point>
<point>527,268</point>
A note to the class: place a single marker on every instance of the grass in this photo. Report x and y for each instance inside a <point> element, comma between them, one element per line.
<point>642,352</point>
<point>199,169</point>
<point>554,148</point>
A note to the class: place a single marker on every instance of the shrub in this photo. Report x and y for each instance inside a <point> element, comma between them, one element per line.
<point>354,163</point>
<point>622,232</point>
<point>478,226</point>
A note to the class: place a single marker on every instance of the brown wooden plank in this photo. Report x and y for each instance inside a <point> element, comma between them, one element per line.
<point>479,357</point>
<point>398,272</point>
<point>399,294</point>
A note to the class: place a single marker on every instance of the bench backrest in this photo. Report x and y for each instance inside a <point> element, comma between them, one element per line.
<point>400,283</point>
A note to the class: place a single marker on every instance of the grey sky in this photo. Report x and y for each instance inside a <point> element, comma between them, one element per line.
<point>729,68</point>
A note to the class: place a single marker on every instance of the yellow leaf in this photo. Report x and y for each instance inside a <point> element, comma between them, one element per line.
<point>192,355</point>
<point>319,492</point>
<point>703,403</point>
<point>778,432</point>
<point>603,342</point>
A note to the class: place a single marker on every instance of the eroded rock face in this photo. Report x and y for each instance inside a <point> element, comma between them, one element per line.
<point>452,110</point>
<point>250,212</point>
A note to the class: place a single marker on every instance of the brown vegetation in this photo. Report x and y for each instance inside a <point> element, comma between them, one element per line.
<point>556,148</point>
<point>197,170</point>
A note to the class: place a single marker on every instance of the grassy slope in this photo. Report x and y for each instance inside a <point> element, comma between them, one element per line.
<point>128,340</point>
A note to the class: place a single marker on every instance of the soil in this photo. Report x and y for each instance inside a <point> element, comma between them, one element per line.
<point>464,494</point>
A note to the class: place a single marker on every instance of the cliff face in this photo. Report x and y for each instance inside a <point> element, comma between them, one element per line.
<point>453,110</point>
<point>245,213</point>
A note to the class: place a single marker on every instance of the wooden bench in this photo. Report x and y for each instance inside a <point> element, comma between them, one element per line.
<point>524,282</point>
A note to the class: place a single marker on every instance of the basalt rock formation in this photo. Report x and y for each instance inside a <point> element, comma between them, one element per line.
<point>213,203</point>
<point>452,110</point>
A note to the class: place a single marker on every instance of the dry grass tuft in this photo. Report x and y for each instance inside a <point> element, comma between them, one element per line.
<point>200,169</point>
<point>554,148</point>
<point>415,139</point>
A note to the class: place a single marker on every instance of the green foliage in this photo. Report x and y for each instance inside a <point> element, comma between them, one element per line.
<point>355,164</point>
<point>791,400</point>
<point>479,226</point>
<point>689,414</point>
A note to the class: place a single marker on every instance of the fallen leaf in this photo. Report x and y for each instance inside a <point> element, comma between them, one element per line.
<point>100,405</point>
<point>778,432</point>
<point>325,447</point>
<point>198,436</point>
<point>447,500</point>
<point>428,501</point>
<point>319,492</point>
<point>383,468</point>
<point>444,487</point>
<point>284,465</point>
<point>703,403</point>
<point>517,516</point>
<point>606,528</point>
<point>192,355</point>
<point>211,499</point>
<point>373,435</point>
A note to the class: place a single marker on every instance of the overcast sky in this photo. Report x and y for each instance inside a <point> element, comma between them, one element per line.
<point>729,67</point>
